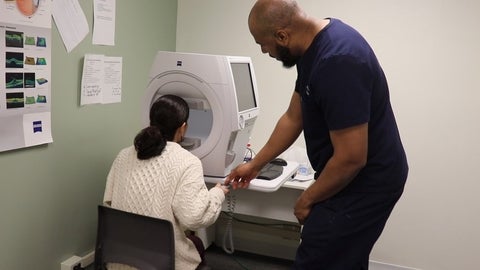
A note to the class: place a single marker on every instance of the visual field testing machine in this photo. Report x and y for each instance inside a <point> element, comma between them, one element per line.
<point>222,94</point>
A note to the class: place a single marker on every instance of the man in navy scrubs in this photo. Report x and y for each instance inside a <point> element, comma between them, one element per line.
<point>341,103</point>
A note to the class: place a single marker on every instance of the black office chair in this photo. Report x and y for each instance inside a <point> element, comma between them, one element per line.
<point>143,242</point>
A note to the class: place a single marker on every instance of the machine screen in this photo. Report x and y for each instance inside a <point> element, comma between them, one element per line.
<point>243,86</point>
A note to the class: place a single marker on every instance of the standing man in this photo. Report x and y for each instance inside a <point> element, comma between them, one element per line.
<point>341,103</point>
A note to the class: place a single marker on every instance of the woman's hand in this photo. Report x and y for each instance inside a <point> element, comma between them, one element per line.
<point>223,188</point>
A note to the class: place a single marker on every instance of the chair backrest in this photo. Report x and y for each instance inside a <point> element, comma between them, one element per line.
<point>143,242</point>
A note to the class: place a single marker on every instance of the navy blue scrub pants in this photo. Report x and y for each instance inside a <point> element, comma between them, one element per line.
<point>340,232</point>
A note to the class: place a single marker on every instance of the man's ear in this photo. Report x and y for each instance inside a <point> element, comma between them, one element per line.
<point>281,36</point>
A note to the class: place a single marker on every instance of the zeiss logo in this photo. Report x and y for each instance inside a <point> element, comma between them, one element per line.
<point>37,126</point>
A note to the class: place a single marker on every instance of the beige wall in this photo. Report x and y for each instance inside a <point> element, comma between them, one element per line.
<point>430,53</point>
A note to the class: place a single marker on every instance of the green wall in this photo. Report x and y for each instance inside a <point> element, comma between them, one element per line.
<point>49,193</point>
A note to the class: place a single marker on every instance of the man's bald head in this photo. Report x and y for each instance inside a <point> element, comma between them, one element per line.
<point>282,29</point>
<point>267,16</point>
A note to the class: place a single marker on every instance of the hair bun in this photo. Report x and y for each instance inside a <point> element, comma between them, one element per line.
<point>149,142</point>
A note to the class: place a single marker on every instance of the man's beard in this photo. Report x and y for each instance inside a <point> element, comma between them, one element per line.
<point>286,57</point>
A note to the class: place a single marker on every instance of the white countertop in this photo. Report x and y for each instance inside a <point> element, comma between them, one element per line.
<point>286,180</point>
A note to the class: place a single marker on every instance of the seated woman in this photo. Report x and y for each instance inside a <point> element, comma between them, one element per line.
<point>156,177</point>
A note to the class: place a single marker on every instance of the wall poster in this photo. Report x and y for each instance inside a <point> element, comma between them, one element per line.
<point>25,73</point>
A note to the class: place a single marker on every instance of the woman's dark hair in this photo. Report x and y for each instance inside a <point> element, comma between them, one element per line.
<point>167,114</point>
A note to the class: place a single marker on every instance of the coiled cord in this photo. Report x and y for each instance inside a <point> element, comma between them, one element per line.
<point>228,235</point>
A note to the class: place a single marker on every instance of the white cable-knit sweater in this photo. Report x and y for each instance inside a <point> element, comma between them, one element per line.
<point>170,186</point>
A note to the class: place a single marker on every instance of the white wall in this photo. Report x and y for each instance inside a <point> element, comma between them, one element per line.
<point>430,51</point>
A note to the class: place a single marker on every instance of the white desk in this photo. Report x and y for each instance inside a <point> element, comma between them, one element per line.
<point>273,199</point>
<point>277,205</point>
<point>266,185</point>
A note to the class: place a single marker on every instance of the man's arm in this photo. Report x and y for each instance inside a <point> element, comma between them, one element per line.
<point>286,131</point>
<point>350,148</point>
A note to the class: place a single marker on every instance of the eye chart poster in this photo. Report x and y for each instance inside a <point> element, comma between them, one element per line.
<point>25,73</point>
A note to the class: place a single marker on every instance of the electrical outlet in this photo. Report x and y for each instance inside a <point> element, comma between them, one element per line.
<point>70,263</point>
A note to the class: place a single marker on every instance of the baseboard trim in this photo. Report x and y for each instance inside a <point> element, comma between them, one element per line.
<point>374,265</point>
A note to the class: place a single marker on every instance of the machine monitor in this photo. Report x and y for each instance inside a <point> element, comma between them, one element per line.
<point>242,78</point>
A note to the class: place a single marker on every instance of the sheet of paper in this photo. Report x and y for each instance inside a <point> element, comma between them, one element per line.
<point>71,22</point>
<point>101,79</point>
<point>36,13</point>
<point>92,79</point>
<point>112,88</point>
<point>25,73</point>
<point>104,22</point>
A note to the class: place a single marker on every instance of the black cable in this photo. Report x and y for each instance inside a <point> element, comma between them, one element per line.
<point>78,267</point>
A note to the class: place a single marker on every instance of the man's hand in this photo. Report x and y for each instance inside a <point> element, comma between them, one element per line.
<point>241,176</point>
<point>303,206</point>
